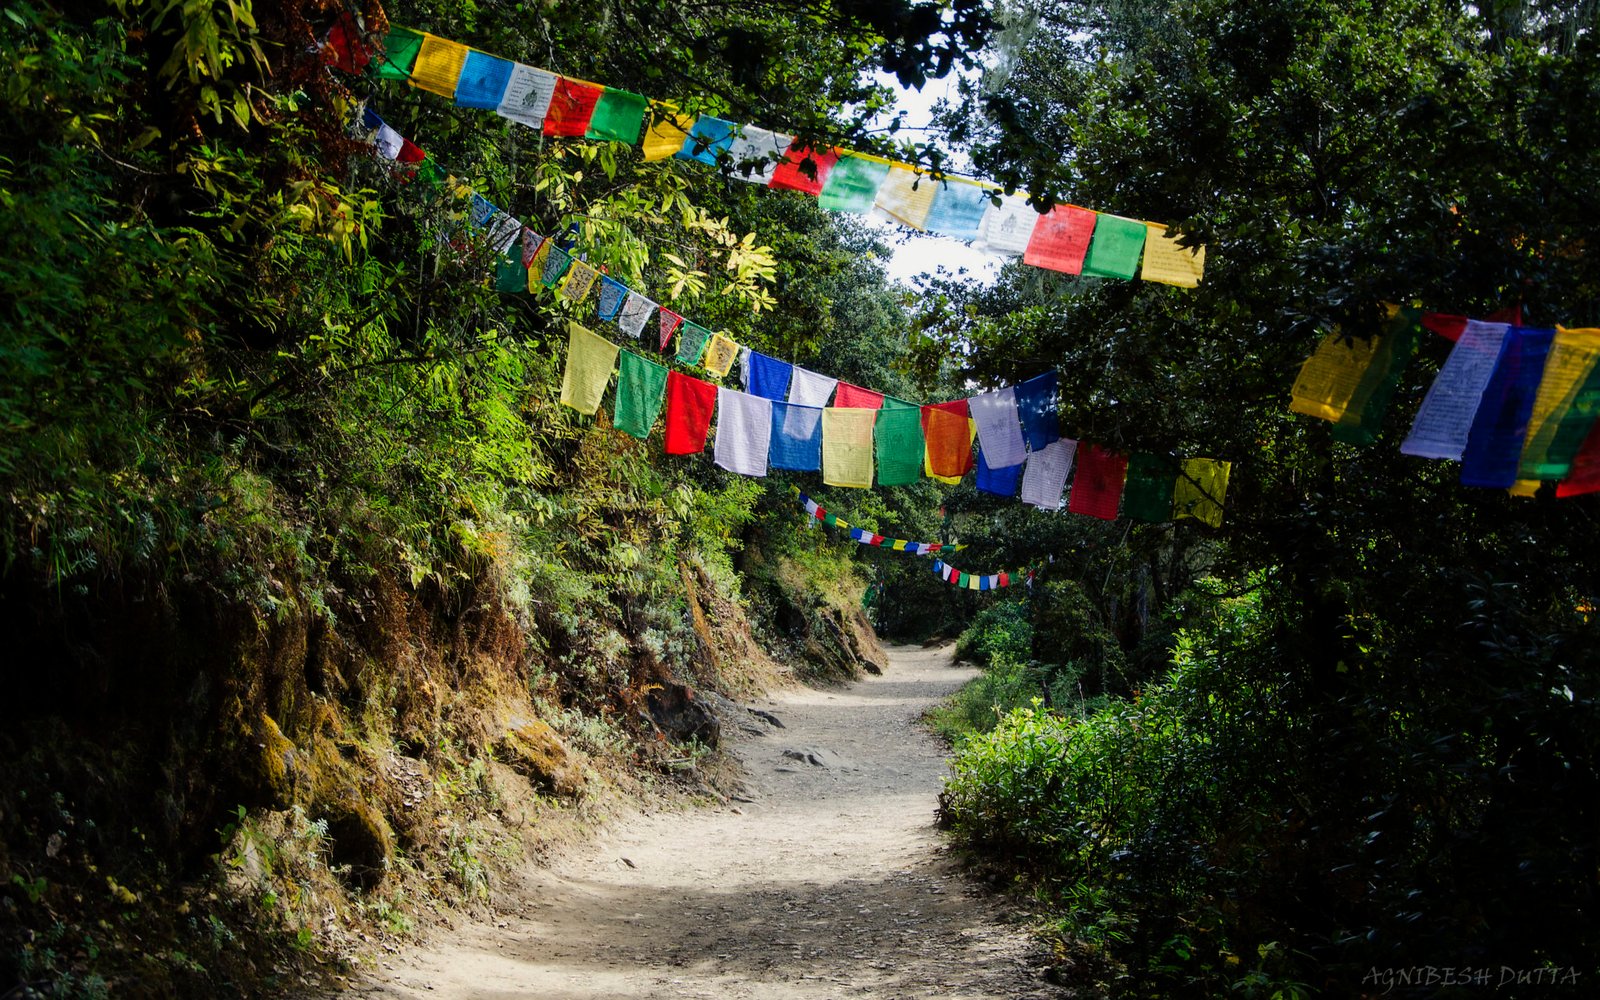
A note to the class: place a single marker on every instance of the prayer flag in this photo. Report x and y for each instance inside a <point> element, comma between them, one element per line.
<point>346,50</point>
<point>906,196</point>
<point>744,432</point>
<point>1566,406</point>
<point>690,403</point>
<point>847,447</point>
<point>1167,262</point>
<point>571,107</point>
<point>708,139</point>
<point>768,377</point>
<point>590,359</point>
<point>1585,474</point>
<point>855,397</point>
<point>958,209</point>
<point>947,434</point>
<point>807,388</point>
<point>400,48</point>
<point>1329,378</point>
<point>1445,418</point>
<point>898,433</point>
<point>669,324</point>
<point>852,183</point>
<point>510,275</point>
<point>1116,248</point>
<point>438,65</point>
<point>1036,408</point>
<point>635,312</point>
<point>665,131</point>
<point>796,437</point>
<point>1001,482</point>
<point>804,170</point>
<point>1007,227</point>
<point>527,96</point>
<point>1494,444</point>
<point>532,243</point>
<point>641,389</point>
<point>556,262</point>
<point>410,152</point>
<point>580,279</point>
<point>1200,489</point>
<point>1097,487</point>
<point>1147,495</point>
<point>692,341</point>
<point>1044,478</point>
<point>389,142</point>
<point>612,294</point>
<point>1363,417</point>
<point>720,355</point>
<point>618,116</point>
<point>1060,239</point>
<point>483,80</point>
<point>998,427</point>
<point>758,151</point>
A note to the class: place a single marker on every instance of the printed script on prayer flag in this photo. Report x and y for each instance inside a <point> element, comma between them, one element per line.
<point>590,360</point>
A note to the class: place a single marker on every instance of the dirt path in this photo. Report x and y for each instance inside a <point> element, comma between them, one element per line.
<point>829,882</point>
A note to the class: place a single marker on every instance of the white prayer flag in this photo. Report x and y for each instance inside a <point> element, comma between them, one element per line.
<point>999,427</point>
<point>635,311</point>
<point>1445,417</point>
<point>1045,477</point>
<point>527,96</point>
<point>807,388</point>
<point>744,432</point>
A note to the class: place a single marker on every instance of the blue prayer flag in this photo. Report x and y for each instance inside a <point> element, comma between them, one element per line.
<point>483,81</point>
<point>957,210</point>
<point>1494,445</point>
<point>1036,408</point>
<point>769,377</point>
<point>796,442</point>
<point>1001,482</point>
<point>708,138</point>
<point>612,294</point>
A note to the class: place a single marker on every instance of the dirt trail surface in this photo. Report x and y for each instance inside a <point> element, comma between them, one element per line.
<point>823,878</point>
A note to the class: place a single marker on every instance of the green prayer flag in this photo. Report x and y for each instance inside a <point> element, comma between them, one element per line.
<point>1147,494</point>
<point>1363,416</point>
<point>1115,248</point>
<point>897,433</point>
<point>692,341</point>
<point>894,403</point>
<point>509,274</point>
<point>400,48</point>
<point>831,520</point>
<point>618,115</point>
<point>430,176</point>
<point>852,184</point>
<point>641,389</point>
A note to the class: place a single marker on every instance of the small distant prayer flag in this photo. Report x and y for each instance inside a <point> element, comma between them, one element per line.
<point>618,116</point>
<point>906,196</point>
<point>556,262</point>
<point>641,389</point>
<point>580,280</point>
<point>1147,494</point>
<point>1060,239</point>
<point>692,341</point>
<point>635,313</point>
<point>438,65</point>
<point>720,355</point>
<point>792,174</point>
<point>400,49</point>
<point>796,437</point>
<point>1097,486</point>
<point>527,96</point>
<point>852,183</point>
<point>898,435</point>
<point>847,447</point>
<point>1115,250</point>
<point>571,106</point>
<point>665,130</point>
<point>1167,262</point>
<point>509,274</point>
<point>590,359</point>
<point>483,80</point>
<point>957,210</point>
<point>1200,490</point>
<point>690,403</point>
<point>612,295</point>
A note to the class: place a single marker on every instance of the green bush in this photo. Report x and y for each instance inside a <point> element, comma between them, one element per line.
<point>1000,631</point>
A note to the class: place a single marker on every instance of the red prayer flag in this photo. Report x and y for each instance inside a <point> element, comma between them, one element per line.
<point>1585,474</point>
<point>1061,239</point>
<point>571,107</point>
<point>670,322</point>
<point>346,50</point>
<point>855,397</point>
<point>1005,580</point>
<point>876,540</point>
<point>788,174</point>
<point>1097,487</point>
<point>689,406</point>
<point>410,152</point>
<point>948,438</point>
<point>1449,327</point>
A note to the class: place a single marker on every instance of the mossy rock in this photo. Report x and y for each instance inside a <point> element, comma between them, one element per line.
<point>534,751</point>
<point>358,838</point>
<point>271,764</point>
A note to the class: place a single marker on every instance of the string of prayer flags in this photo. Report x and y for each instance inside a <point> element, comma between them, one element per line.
<point>1097,485</point>
<point>483,80</point>
<point>855,397</point>
<point>866,537</point>
<point>847,447</point>
<point>635,313</point>
<point>971,581</point>
<point>1147,493</point>
<point>947,435</point>
<point>796,437</point>
<point>641,389</point>
<point>1200,490</point>
<point>1060,239</point>
<point>580,280</point>
<point>690,403</point>
<point>590,360</point>
<point>898,433</point>
<point>692,342</point>
<point>853,183</point>
<point>612,294</point>
<point>670,321</point>
<point>527,96</point>
<point>999,427</point>
<point>721,353</point>
<point>438,65</point>
<point>744,432</point>
<point>1566,406</point>
<point>767,377</point>
<point>1167,262</point>
<point>807,388</point>
<point>1445,418</point>
<point>1001,482</point>
<point>1044,478</point>
<point>1036,409</point>
<point>804,170</point>
<point>1494,444</point>
<point>1116,249</point>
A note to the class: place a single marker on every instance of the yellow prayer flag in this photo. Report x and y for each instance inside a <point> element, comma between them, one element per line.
<point>899,544</point>
<point>580,279</point>
<point>1168,263</point>
<point>720,355</point>
<point>438,65</point>
<point>590,360</point>
<point>906,196</point>
<point>847,446</point>
<point>1330,377</point>
<point>1572,358</point>
<point>1200,490</point>
<point>1524,487</point>
<point>664,137</point>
